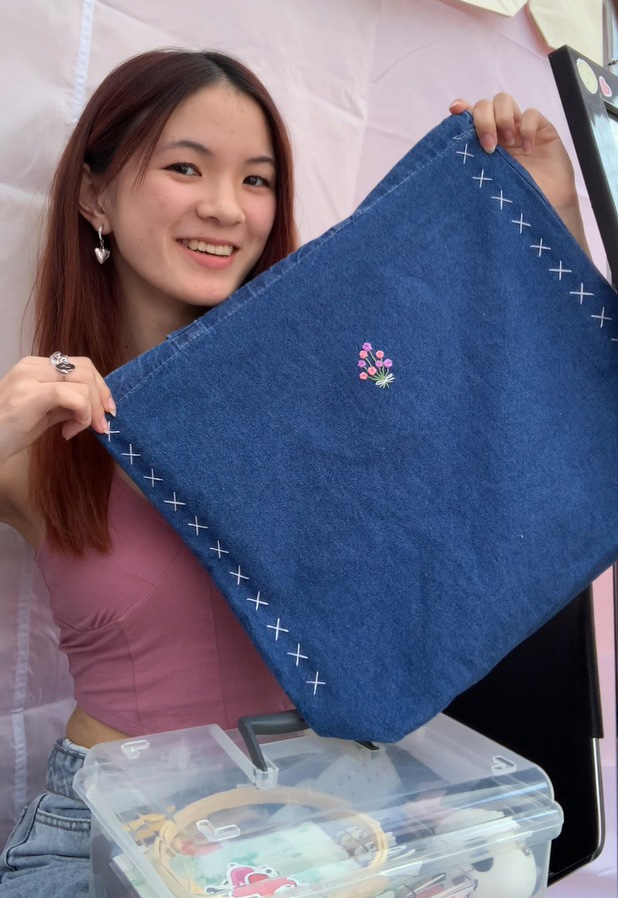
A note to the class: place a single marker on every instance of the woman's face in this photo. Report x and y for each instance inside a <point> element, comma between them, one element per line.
<point>188,234</point>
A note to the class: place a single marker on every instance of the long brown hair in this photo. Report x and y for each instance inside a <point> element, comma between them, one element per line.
<point>78,302</point>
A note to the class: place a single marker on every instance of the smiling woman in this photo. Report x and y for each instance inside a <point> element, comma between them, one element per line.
<point>174,189</point>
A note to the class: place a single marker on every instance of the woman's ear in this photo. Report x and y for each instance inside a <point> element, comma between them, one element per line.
<point>91,201</point>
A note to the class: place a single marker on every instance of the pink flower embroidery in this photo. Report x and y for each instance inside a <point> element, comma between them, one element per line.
<point>378,369</point>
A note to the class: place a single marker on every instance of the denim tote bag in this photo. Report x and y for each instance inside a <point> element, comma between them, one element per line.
<point>396,450</point>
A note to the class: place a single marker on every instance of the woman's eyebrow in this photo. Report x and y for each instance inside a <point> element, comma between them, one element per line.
<point>255,160</point>
<point>205,151</point>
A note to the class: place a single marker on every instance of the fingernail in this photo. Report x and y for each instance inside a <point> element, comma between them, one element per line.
<point>104,425</point>
<point>526,145</point>
<point>111,407</point>
<point>488,143</point>
<point>509,138</point>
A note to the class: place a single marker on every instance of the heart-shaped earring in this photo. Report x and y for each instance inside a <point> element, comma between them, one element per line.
<point>101,252</point>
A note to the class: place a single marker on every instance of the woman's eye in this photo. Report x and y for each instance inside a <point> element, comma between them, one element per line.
<point>257,181</point>
<point>183,168</point>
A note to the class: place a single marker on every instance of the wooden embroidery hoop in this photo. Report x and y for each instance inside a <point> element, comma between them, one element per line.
<point>164,853</point>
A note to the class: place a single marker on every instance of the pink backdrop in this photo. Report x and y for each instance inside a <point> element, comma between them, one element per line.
<point>358,81</point>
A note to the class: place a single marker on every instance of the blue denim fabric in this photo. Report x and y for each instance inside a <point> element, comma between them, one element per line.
<point>48,852</point>
<point>386,545</point>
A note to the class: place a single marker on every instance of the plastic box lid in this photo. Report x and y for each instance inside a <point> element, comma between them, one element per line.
<point>193,815</point>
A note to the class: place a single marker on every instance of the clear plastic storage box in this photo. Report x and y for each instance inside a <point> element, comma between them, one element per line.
<point>445,813</point>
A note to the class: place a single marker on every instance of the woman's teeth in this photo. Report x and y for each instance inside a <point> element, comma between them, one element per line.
<point>201,247</point>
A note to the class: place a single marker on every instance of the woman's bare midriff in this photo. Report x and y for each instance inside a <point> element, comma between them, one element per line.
<point>82,729</point>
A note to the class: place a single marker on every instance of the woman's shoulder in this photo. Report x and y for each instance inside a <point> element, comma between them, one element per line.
<point>16,508</point>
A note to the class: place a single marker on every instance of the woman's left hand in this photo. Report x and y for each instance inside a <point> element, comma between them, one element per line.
<point>534,142</point>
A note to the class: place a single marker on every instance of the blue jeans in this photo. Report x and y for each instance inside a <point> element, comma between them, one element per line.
<point>395,451</point>
<point>48,852</point>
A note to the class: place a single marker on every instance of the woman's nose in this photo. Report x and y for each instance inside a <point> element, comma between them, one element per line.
<point>220,202</point>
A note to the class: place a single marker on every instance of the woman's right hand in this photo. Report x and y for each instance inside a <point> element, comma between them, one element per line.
<point>35,396</point>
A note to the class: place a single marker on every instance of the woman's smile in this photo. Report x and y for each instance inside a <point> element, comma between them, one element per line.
<point>208,254</point>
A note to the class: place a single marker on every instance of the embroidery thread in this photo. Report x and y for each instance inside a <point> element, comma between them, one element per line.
<point>375,366</point>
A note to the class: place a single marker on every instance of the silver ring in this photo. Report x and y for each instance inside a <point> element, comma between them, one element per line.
<point>61,363</point>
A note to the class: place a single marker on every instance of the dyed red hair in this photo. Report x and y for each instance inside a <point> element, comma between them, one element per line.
<point>79,302</point>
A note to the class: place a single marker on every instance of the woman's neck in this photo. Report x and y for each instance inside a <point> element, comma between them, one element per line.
<point>146,324</point>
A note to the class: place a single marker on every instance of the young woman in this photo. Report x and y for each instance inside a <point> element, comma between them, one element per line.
<point>174,189</point>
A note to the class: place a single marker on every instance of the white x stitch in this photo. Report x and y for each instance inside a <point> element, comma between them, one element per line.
<point>298,654</point>
<point>502,199</point>
<point>542,247</point>
<point>277,628</point>
<point>482,178</point>
<point>257,600</point>
<point>581,293</point>
<point>466,155</point>
<point>602,317</point>
<point>175,502</point>
<point>316,682</point>
<point>520,221</point>
<point>196,524</point>
<point>560,270</point>
<point>131,454</point>
<point>151,477</point>
<point>238,574</point>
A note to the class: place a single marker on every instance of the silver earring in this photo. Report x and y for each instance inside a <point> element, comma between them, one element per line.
<point>100,251</point>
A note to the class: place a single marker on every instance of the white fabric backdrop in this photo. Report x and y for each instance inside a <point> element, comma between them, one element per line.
<point>358,81</point>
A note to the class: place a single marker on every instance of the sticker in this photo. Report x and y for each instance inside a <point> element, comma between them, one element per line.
<point>587,75</point>
<point>255,882</point>
<point>605,88</point>
<point>266,864</point>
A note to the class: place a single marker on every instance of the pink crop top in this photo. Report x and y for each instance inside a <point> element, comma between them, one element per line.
<point>151,642</point>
